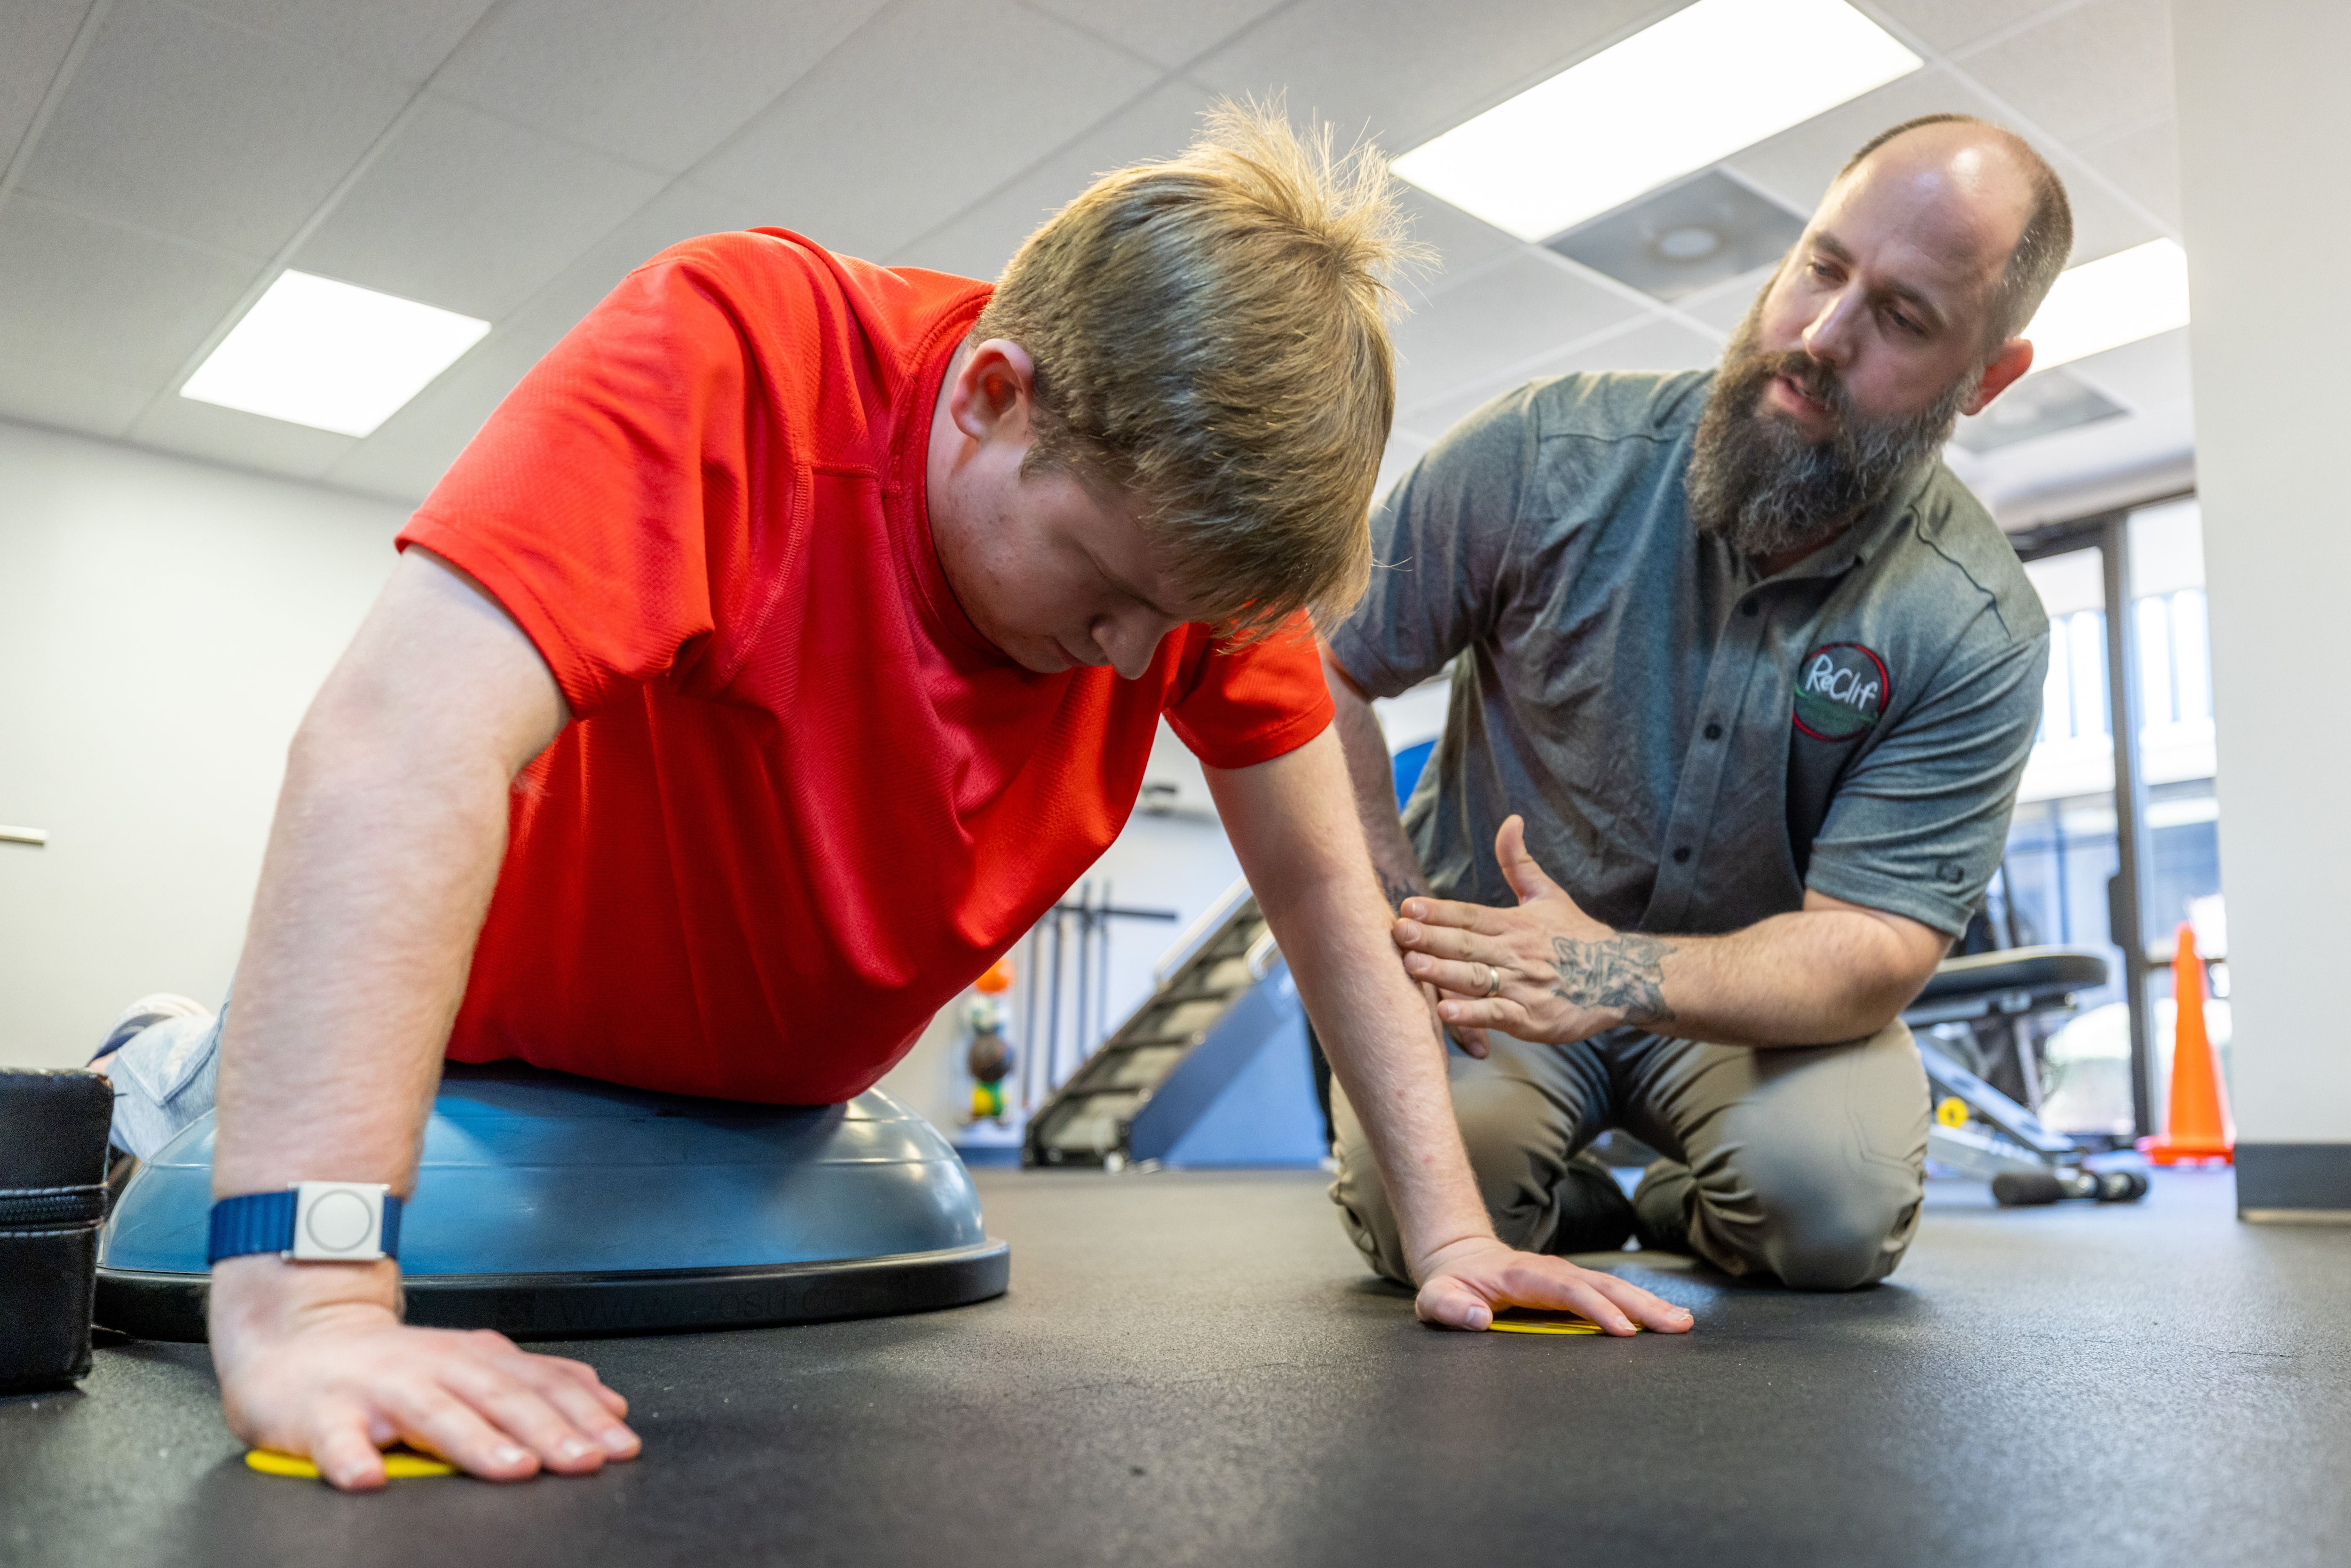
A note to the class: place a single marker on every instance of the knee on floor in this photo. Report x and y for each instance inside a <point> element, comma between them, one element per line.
<point>1829,1227</point>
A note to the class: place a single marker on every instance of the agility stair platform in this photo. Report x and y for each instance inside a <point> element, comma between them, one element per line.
<point>1224,996</point>
<point>552,1206</point>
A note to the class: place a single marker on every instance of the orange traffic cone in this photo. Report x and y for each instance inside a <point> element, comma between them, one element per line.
<point>2198,1127</point>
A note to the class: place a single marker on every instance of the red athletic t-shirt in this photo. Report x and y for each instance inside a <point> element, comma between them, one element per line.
<point>804,802</point>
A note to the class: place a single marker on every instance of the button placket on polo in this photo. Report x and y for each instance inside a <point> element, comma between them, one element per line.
<point>1691,824</point>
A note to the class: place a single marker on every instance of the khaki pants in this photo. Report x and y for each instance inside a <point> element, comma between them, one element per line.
<point>1805,1164</point>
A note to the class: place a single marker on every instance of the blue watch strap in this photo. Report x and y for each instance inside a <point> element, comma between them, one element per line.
<point>257,1222</point>
<point>264,1222</point>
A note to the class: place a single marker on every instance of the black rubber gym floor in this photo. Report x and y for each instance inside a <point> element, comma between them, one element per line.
<point>1193,1368</point>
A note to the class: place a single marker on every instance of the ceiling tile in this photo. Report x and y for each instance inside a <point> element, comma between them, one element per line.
<point>471,213</point>
<point>2105,221</point>
<point>2145,163</point>
<point>911,122</point>
<point>1403,70</point>
<point>1725,305</point>
<point>34,37</point>
<point>185,124</point>
<point>1162,34</point>
<point>1798,164</point>
<point>2152,440</point>
<point>978,242</point>
<point>96,299</point>
<point>2086,71</point>
<point>1462,243</point>
<point>409,452</point>
<point>658,85</point>
<point>408,39</point>
<point>1948,24</point>
<point>230,435</point>
<point>1654,345</point>
<point>1478,325</point>
<point>59,397</point>
<point>2145,375</point>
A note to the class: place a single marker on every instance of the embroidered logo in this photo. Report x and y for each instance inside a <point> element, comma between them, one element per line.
<point>1841,689</point>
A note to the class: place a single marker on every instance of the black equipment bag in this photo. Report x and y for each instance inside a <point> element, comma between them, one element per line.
<point>53,1128</point>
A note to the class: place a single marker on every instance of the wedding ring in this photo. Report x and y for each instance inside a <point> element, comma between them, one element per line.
<point>1493,980</point>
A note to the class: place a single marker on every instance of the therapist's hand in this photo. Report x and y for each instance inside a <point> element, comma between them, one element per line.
<point>1543,971</point>
<point>1465,1283</point>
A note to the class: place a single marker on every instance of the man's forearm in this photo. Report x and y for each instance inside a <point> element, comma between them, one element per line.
<point>378,870</point>
<point>382,855</point>
<point>1303,851</point>
<point>1371,776</point>
<point>1815,976</point>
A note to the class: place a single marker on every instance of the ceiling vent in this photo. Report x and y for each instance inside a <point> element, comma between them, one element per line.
<point>1709,228</point>
<point>2036,406</point>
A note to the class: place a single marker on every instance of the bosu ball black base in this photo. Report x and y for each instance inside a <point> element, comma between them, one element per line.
<point>551,1206</point>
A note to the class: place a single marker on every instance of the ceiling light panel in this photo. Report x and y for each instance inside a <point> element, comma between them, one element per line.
<point>1689,237</point>
<point>2116,299</point>
<point>1711,78</point>
<point>331,355</point>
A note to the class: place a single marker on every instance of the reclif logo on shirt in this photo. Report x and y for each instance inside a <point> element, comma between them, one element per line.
<point>1841,689</point>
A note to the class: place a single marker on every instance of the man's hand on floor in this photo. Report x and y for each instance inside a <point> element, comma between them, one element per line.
<point>1464,1284</point>
<point>313,1361</point>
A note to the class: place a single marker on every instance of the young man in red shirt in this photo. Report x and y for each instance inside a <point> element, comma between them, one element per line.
<point>789,640</point>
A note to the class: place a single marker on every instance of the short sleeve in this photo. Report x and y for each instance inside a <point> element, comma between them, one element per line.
<point>1920,824</point>
<point>592,503</point>
<point>1242,705</point>
<point>1440,538</point>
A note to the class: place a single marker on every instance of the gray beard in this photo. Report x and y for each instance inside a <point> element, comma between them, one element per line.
<point>1759,482</point>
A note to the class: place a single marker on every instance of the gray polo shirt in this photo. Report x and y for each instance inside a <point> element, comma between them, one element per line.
<point>1695,743</point>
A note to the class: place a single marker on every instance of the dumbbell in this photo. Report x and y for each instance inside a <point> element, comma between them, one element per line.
<point>2019,1189</point>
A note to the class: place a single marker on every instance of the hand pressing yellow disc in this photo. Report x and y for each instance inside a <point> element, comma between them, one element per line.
<point>1519,1319</point>
<point>400,1464</point>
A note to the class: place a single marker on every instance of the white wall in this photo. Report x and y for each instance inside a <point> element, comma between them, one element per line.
<point>2263,117</point>
<point>163,625</point>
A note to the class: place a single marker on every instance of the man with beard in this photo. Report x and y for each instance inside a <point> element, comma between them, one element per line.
<point>1745,682</point>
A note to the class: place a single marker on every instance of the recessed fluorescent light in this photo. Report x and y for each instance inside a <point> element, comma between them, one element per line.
<point>1689,92</point>
<point>2110,301</point>
<point>331,355</point>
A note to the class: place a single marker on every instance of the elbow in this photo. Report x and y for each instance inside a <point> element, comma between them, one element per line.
<point>1883,1002</point>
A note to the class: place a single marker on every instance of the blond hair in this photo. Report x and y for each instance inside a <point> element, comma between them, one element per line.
<point>1210,336</point>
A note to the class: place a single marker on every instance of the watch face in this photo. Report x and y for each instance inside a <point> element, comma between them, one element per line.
<point>338,1220</point>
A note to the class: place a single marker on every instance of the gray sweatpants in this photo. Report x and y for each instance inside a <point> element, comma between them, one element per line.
<point>1805,1164</point>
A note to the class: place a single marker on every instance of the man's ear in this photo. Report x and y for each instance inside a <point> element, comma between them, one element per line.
<point>992,394</point>
<point>2007,368</point>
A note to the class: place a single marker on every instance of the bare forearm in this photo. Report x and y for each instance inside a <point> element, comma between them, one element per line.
<point>1547,971</point>
<point>1811,977</point>
<point>378,870</point>
<point>382,858</point>
<point>1303,853</point>
<point>1371,777</point>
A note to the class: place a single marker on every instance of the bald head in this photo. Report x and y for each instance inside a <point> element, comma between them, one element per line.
<point>1993,188</point>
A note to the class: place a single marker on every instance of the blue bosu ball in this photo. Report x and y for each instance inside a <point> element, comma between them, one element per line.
<point>554,1207</point>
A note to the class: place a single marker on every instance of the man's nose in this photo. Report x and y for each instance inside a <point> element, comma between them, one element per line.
<point>1829,337</point>
<point>1128,643</point>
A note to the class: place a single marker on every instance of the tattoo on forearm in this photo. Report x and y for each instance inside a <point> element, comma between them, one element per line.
<point>1396,888</point>
<point>1626,971</point>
